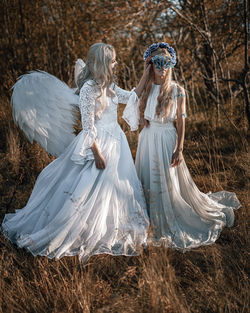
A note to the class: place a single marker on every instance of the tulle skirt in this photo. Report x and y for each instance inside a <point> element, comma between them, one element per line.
<point>181,216</point>
<point>77,209</point>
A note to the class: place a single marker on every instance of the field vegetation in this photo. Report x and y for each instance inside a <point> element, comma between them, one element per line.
<point>211,40</point>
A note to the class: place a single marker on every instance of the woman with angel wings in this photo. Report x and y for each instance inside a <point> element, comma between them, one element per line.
<point>89,200</point>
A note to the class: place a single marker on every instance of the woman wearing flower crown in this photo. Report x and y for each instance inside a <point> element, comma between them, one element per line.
<point>181,216</point>
<point>89,200</point>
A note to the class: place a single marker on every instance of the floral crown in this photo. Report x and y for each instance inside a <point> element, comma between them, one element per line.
<point>162,45</point>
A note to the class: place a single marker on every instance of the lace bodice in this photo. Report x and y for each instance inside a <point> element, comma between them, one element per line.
<point>95,119</point>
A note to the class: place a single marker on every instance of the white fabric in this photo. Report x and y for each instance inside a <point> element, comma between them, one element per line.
<point>149,113</point>
<point>87,103</point>
<point>181,216</point>
<point>131,112</point>
<point>43,107</point>
<point>76,209</point>
<point>80,64</point>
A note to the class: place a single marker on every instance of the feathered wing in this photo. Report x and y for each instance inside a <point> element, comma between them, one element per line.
<point>44,108</point>
<point>79,65</point>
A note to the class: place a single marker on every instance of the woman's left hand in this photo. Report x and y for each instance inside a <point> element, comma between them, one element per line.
<point>147,63</point>
<point>147,67</point>
<point>176,158</point>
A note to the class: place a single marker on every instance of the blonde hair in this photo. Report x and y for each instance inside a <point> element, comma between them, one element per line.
<point>99,68</point>
<point>165,96</point>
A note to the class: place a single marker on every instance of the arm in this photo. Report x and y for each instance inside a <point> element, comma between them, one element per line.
<point>145,76</point>
<point>141,86</point>
<point>131,112</point>
<point>124,95</point>
<point>131,98</point>
<point>181,114</point>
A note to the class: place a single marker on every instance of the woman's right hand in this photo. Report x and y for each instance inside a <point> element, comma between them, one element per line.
<point>99,161</point>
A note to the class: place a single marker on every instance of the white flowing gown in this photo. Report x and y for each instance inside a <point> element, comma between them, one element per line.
<point>181,216</point>
<point>77,209</point>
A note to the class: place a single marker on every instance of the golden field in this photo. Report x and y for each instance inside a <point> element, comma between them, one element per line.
<point>51,35</point>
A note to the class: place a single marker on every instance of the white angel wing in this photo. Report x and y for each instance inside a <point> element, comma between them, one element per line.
<point>43,107</point>
<point>78,68</point>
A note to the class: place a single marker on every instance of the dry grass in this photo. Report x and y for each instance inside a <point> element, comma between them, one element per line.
<point>210,279</point>
<point>205,280</point>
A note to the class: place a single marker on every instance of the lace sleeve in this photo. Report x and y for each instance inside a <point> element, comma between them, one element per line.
<point>83,152</point>
<point>131,112</point>
<point>87,108</point>
<point>122,94</point>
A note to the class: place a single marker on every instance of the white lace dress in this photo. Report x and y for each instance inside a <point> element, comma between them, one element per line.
<point>77,209</point>
<point>181,216</point>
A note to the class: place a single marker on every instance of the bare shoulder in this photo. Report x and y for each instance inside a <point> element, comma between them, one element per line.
<point>180,90</point>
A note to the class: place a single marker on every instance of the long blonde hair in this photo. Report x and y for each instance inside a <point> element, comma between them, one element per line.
<point>98,68</point>
<point>165,97</point>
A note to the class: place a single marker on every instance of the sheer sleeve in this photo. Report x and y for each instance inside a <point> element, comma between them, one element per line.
<point>131,112</point>
<point>88,95</point>
<point>181,103</point>
<point>122,94</point>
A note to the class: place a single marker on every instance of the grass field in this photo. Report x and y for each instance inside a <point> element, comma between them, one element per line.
<point>210,279</point>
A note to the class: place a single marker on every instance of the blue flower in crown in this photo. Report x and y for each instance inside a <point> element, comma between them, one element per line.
<point>162,45</point>
<point>161,61</point>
